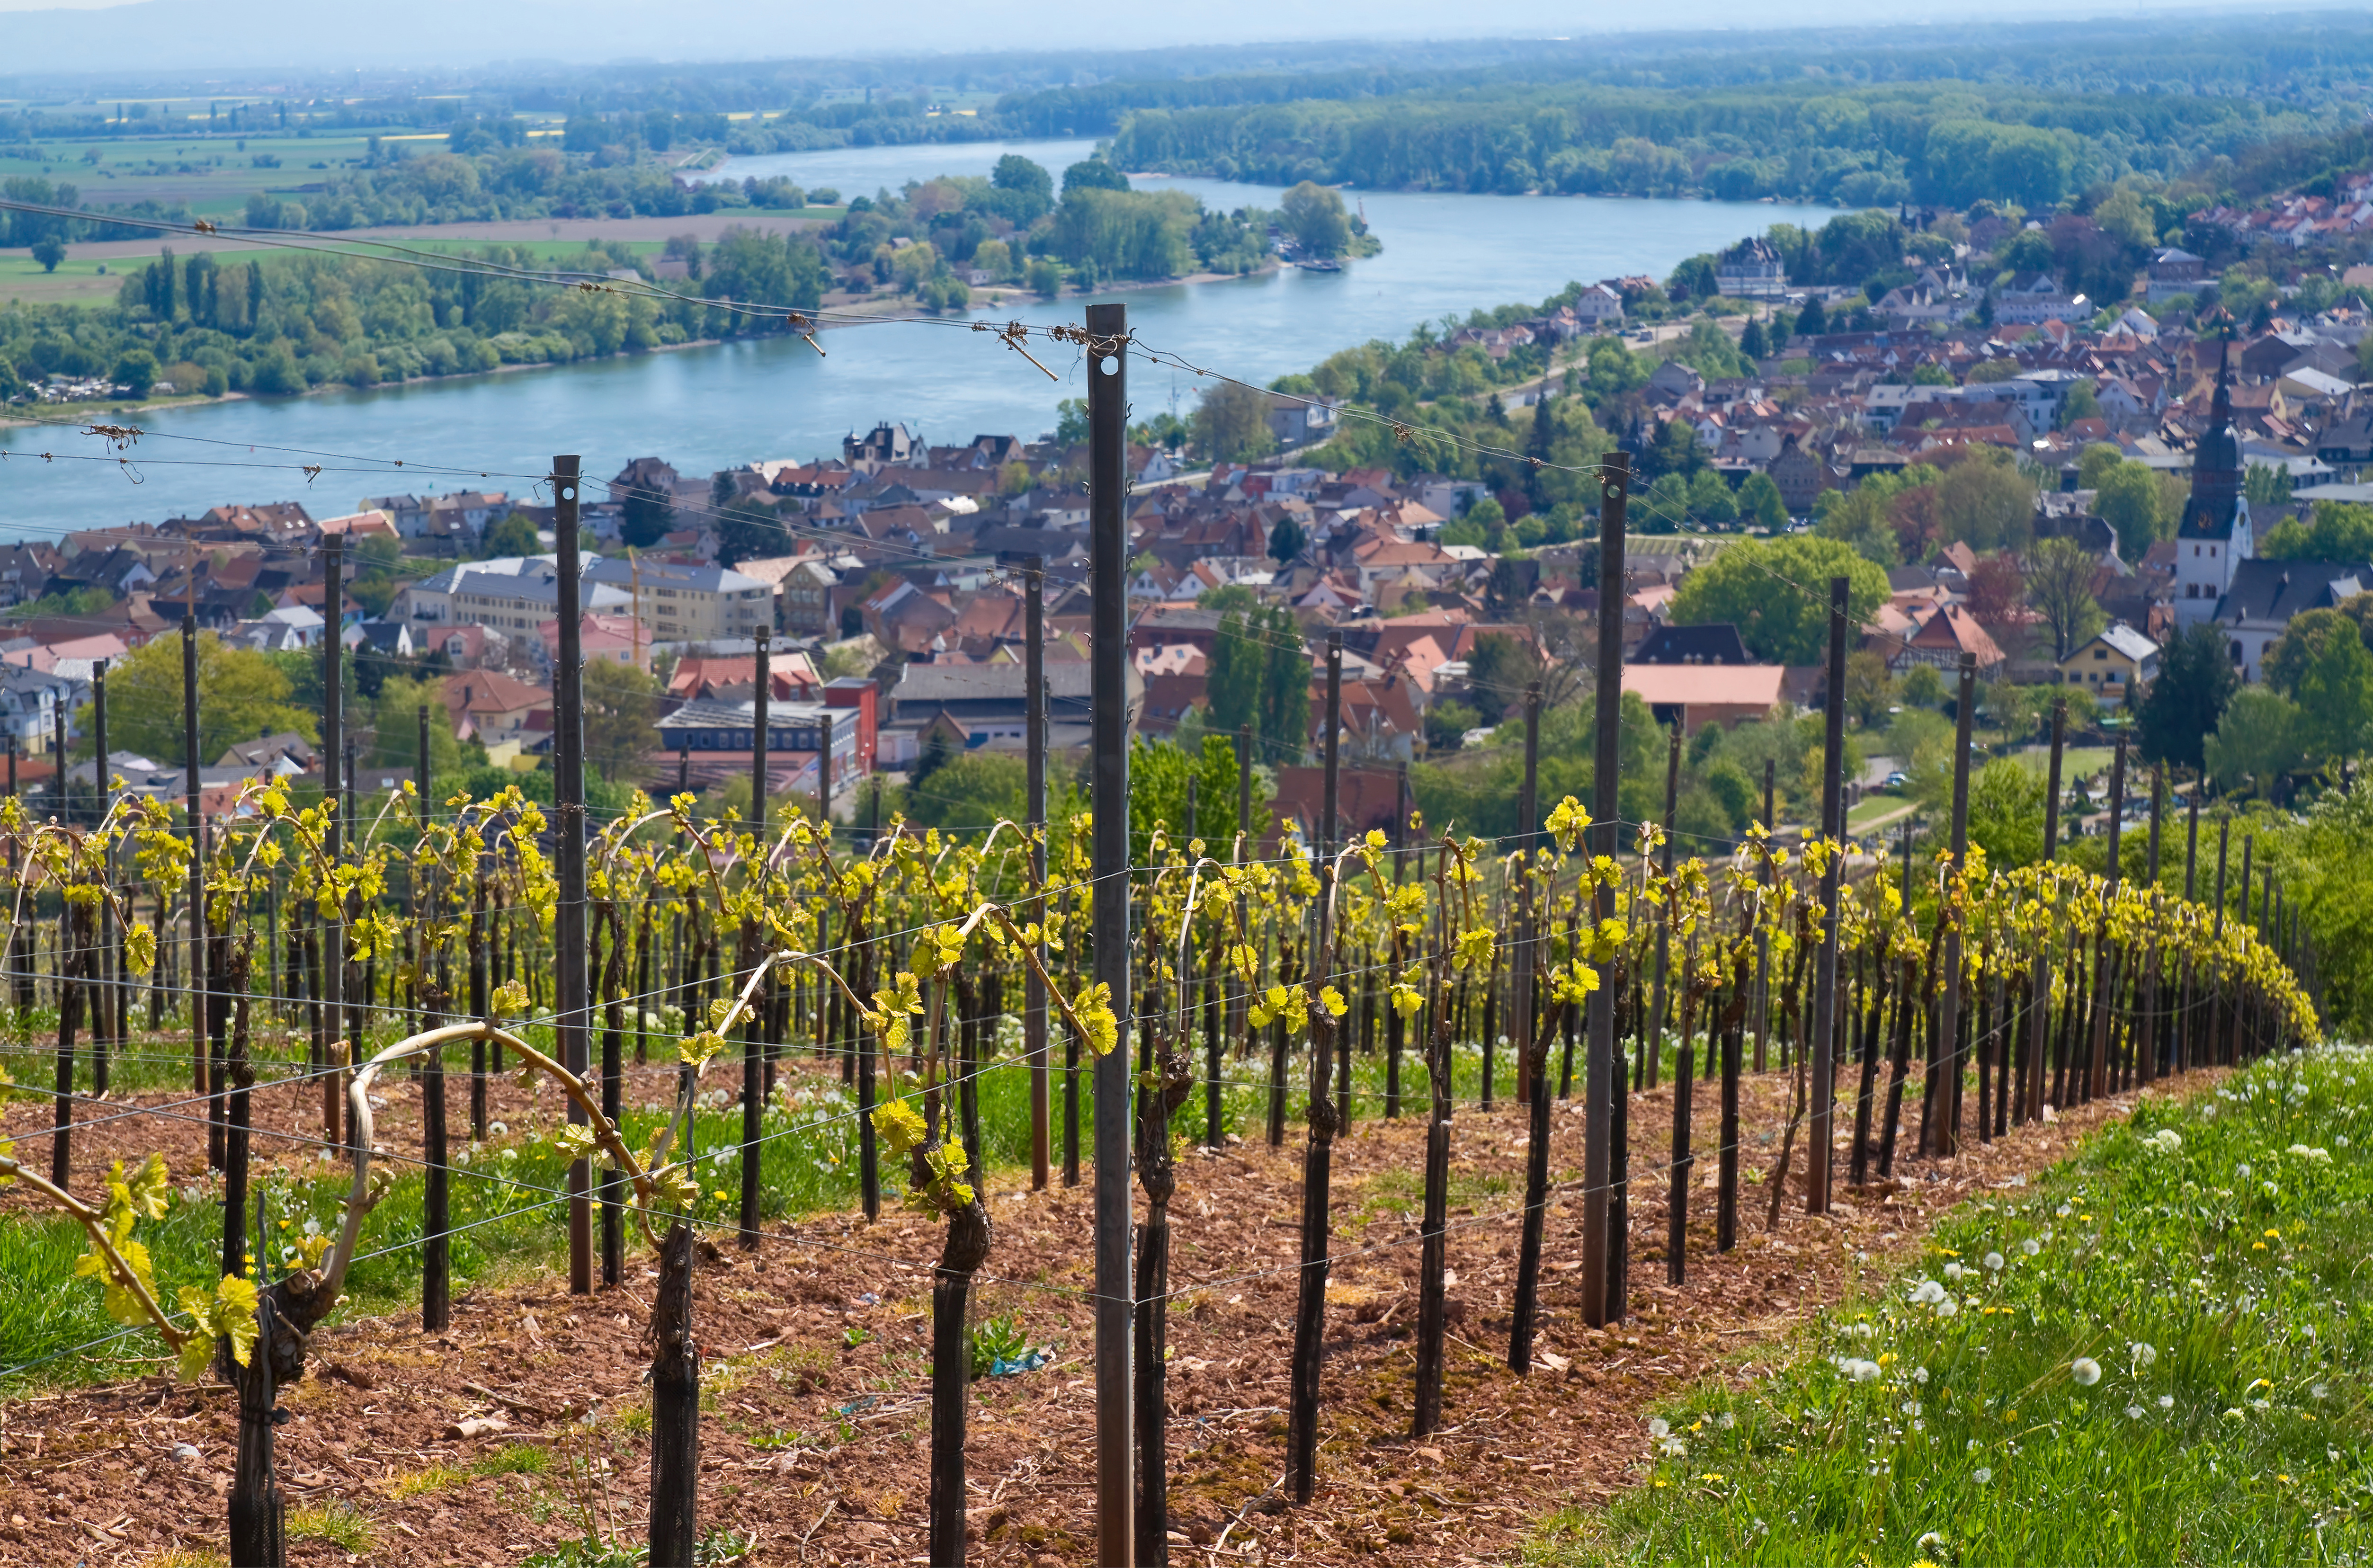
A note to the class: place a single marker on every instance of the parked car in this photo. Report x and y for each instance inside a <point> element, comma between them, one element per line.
<point>1897,780</point>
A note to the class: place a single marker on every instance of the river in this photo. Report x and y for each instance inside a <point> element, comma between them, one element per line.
<point>706,407</point>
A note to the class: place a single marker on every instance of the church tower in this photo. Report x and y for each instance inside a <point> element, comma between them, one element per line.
<point>2214,538</point>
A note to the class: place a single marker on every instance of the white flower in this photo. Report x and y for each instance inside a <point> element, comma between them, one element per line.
<point>1921,1376</point>
<point>1952,1270</point>
<point>1946,1308</point>
<point>1931,1538</point>
<point>1928,1292</point>
<point>2167,1139</point>
<point>2133,1413</point>
<point>1994,1261</point>
<point>497,1128</point>
<point>2166,1401</point>
<point>2085,1371</point>
<point>1862,1371</point>
<point>2141,1355</point>
<point>2030,1246</point>
<point>1726,1420</point>
<point>2242,1171</point>
<point>2271,1191</point>
<point>1672,1447</point>
<point>1982,1476</point>
<point>2062,1211</point>
<point>2340,1141</point>
<point>1659,1428</point>
<point>2318,1390</point>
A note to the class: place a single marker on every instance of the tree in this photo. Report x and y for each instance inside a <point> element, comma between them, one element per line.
<point>2335,695</point>
<point>749,529</point>
<point>2257,740</point>
<point>1810,322</point>
<point>1869,687</point>
<point>241,695</point>
<point>2127,500</point>
<point>1776,593</point>
<point>645,517</point>
<point>2196,680</point>
<point>1315,217</point>
<point>1286,540</point>
<point>1997,590</point>
<point>1093,174</point>
<point>2097,461</point>
<point>1760,504</point>
<point>2342,532</point>
<point>509,535</point>
<point>1285,687</point>
<point>620,703</point>
<point>1922,687</point>
<point>1232,674</point>
<point>1858,518</point>
<point>1447,723</point>
<point>136,369</point>
<point>49,252</point>
<point>1498,671</point>
<point>1158,772</point>
<point>2006,813</point>
<point>1232,423</point>
<point>968,791</point>
<point>2060,575</point>
<point>1985,502</point>
<point>395,724</point>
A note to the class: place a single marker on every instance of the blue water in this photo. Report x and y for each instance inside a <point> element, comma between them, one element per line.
<point>705,408</point>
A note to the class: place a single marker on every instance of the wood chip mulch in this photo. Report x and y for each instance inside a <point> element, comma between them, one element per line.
<point>814,1438</point>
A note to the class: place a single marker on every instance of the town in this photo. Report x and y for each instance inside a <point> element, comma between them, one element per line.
<point>2088,512</point>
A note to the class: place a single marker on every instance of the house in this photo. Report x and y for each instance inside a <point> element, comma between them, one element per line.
<point>1750,270</point>
<point>2347,439</point>
<point>511,594</point>
<point>2032,299</point>
<point>2264,596</point>
<point>990,705</point>
<point>683,603</point>
<point>2174,272</point>
<point>1801,477</point>
<point>1598,308</point>
<point>1694,696</point>
<point>713,741</point>
<point>491,708</point>
<point>1714,643</point>
<point>1297,421</point>
<point>2116,657</point>
<point>1948,632</point>
<point>355,527</point>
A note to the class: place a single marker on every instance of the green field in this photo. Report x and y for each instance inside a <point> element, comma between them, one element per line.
<point>2153,1354</point>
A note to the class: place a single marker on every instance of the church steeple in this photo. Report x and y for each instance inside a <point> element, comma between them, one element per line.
<point>2215,462</point>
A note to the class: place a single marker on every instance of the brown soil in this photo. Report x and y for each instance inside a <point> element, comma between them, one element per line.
<point>819,1446</point>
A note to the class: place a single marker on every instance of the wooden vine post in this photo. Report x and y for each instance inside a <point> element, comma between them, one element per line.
<point>1600,1248</point>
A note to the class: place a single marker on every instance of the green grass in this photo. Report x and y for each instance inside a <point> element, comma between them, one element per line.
<point>339,1523</point>
<point>2152,1355</point>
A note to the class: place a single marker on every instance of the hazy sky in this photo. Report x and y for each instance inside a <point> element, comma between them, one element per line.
<point>149,35</point>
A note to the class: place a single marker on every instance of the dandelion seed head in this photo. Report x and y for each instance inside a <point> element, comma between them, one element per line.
<point>1994,1261</point>
<point>2166,1401</point>
<point>1659,1428</point>
<point>1982,1476</point>
<point>2085,1371</point>
<point>2030,1246</point>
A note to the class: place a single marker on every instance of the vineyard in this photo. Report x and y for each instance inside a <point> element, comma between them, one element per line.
<point>788,1016</point>
<point>1083,1189</point>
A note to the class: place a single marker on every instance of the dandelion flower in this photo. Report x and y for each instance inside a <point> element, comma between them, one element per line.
<point>2242,1171</point>
<point>2085,1371</point>
<point>2030,1246</point>
<point>2133,1413</point>
<point>1994,1261</point>
<point>1982,1476</point>
<point>2318,1390</point>
<point>2166,1401</point>
<point>1921,1376</point>
<point>2141,1354</point>
<point>1928,1292</point>
<point>2062,1211</point>
<point>1659,1428</point>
